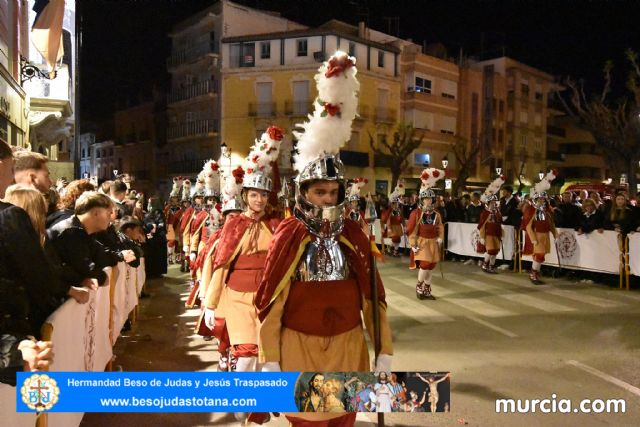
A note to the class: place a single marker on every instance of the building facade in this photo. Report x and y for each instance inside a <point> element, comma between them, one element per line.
<point>269,79</point>
<point>194,103</point>
<point>14,43</point>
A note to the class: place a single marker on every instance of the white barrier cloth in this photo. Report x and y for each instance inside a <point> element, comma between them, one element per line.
<point>462,239</point>
<point>593,252</point>
<point>634,254</point>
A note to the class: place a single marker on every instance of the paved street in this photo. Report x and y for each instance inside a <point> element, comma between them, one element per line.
<point>500,336</point>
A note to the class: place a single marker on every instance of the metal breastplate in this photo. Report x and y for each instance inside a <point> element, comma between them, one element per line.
<point>354,215</point>
<point>540,215</point>
<point>428,217</point>
<point>323,260</point>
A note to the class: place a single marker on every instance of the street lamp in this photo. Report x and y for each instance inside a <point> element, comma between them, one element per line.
<point>498,170</point>
<point>115,173</point>
<point>445,162</point>
<point>541,175</point>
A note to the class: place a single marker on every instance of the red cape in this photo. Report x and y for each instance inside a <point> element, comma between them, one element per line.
<point>207,247</point>
<point>198,220</point>
<point>284,248</point>
<point>231,235</point>
<point>484,216</point>
<point>186,216</point>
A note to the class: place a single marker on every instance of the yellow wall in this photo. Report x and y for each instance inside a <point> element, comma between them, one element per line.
<point>239,129</point>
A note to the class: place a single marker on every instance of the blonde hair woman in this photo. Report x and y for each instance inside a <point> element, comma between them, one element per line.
<point>31,200</point>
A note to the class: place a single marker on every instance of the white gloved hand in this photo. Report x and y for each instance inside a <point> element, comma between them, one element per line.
<point>482,242</point>
<point>209,319</point>
<point>192,257</point>
<point>415,249</point>
<point>383,364</point>
<point>271,367</point>
<point>439,240</point>
<point>185,248</point>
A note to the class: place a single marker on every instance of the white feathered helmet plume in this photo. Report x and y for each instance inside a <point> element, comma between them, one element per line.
<point>429,178</point>
<point>231,200</point>
<point>493,189</point>
<point>198,190</point>
<point>540,189</point>
<point>175,189</point>
<point>257,165</point>
<point>186,190</point>
<point>211,172</point>
<point>329,127</point>
<point>356,186</point>
<point>397,192</point>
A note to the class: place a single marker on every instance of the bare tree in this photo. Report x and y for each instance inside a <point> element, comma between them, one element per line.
<point>405,141</point>
<point>466,155</point>
<point>615,125</point>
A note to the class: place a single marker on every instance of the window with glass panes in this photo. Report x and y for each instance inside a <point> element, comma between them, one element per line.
<point>265,50</point>
<point>302,47</point>
<point>423,85</point>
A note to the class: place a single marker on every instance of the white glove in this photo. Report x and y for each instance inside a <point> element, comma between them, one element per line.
<point>185,248</point>
<point>439,240</point>
<point>415,249</point>
<point>192,257</point>
<point>209,319</point>
<point>383,364</point>
<point>271,367</point>
<point>482,242</point>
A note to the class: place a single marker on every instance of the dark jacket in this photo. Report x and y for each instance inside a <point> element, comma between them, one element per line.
<point>587,224</point>
<point>568,215</point>
<point>58,216</point>
<point>10,358</point>
<point>625,224</point>
<point>80,255</point>
<point>511,215</point>
<point>28,291</point>
<point>472,213</point>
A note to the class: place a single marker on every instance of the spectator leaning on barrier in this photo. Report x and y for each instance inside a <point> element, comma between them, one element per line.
<point>591,219</point>
<point>67,202</point>
<point>567,213</point>
<point>619,217</point>
<point>118,193</point>
<point>78,252</point>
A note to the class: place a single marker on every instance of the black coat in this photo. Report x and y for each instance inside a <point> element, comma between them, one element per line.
<point>29,292</point>
<point>155,249</point>
<point>567,215</point>
<point>80,256</point>
<point>587,224</point>
<point>624,224</point>
<point>472,213</point>
<point>511,215</point>
<point>58,216</point>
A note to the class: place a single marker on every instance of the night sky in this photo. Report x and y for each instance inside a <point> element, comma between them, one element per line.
<point>125,42</point>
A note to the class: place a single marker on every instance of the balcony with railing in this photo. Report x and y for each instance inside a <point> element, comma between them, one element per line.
<point>195,128</point>
<point>192,53</point>
<point>385,115</point>
<point>416,94</point>
<point>207,87</point>
<point>298,108</point>
<point>262,109</point>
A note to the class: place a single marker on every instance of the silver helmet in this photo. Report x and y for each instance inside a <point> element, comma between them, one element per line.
<point>323,222</point>
<point>427,192</point>
<point>234,204</point>
<point>258,181</point>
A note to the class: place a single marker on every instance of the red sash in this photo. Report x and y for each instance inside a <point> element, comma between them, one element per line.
<point>323,308</point>
<point>246,273</point>
<point>541,226</point>
<point>428,231</point>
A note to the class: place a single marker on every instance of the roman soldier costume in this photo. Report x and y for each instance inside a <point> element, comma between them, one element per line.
<point>538,222</point>
<point>426,234</point>
<point>316,285</point>
<point>353,211</point>
<point>490,226</point>
<point>393,221</point>
<point>240,254</point>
